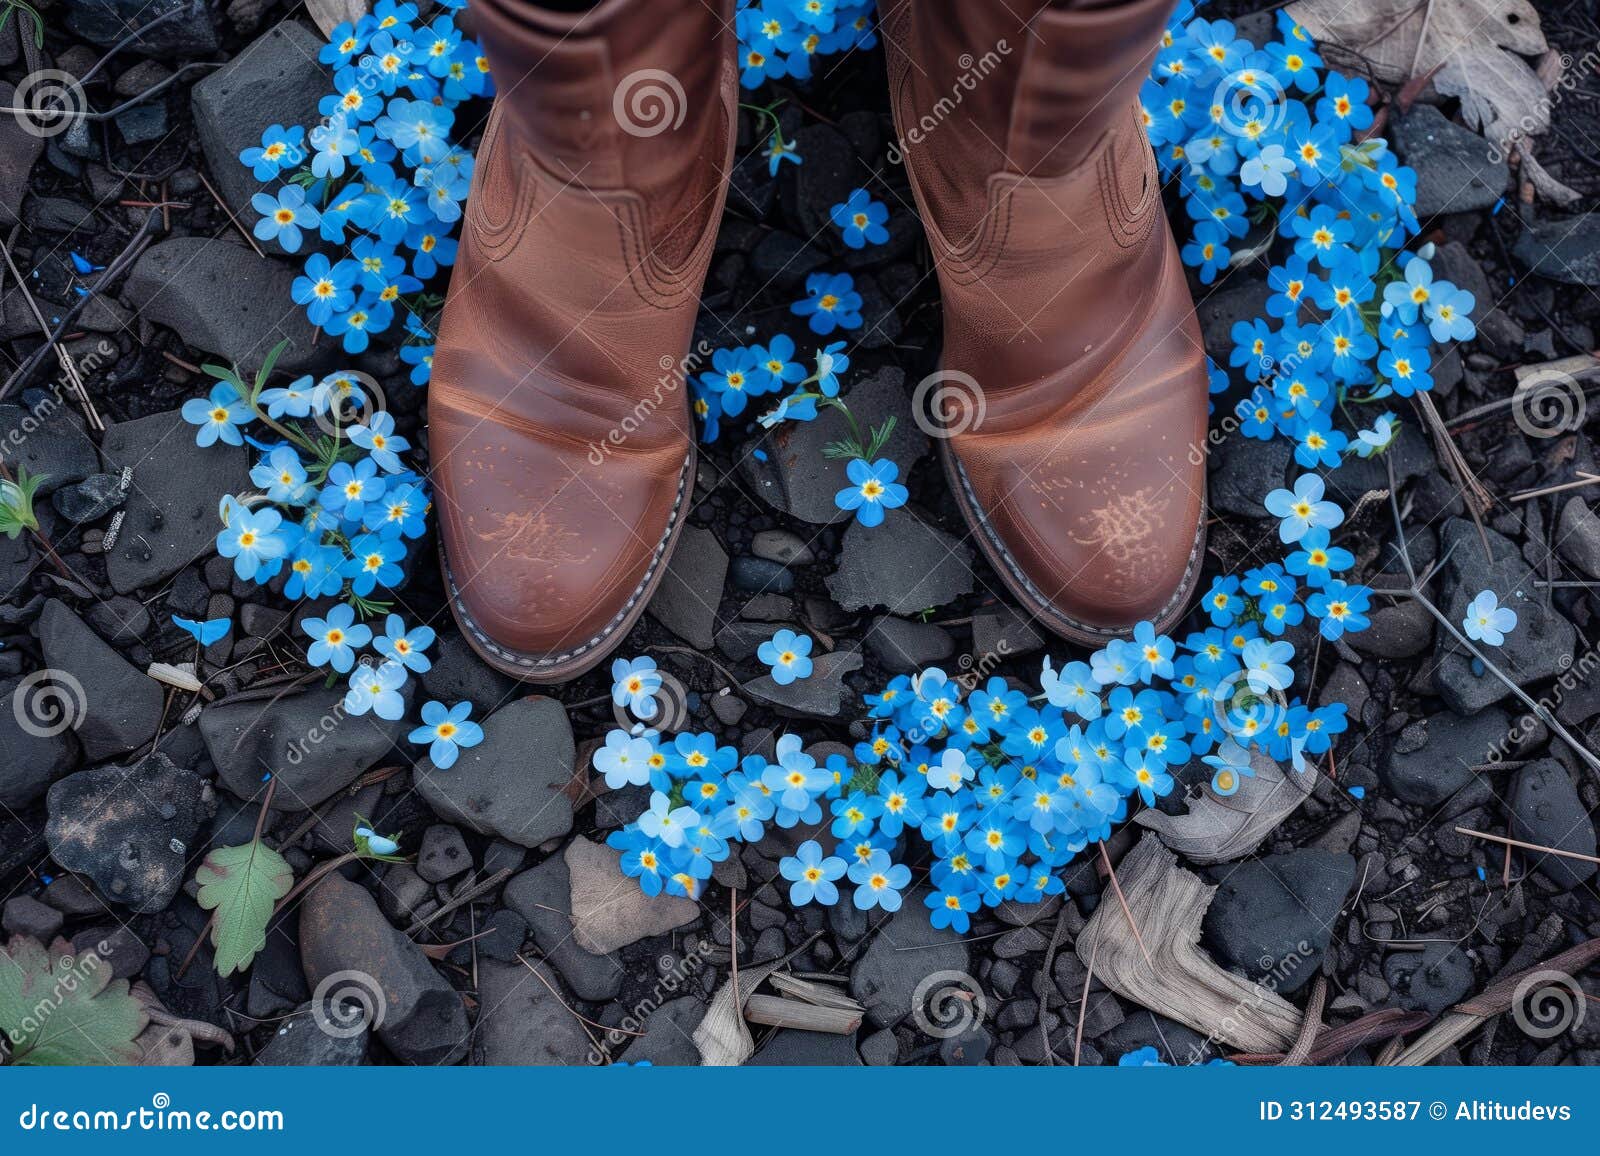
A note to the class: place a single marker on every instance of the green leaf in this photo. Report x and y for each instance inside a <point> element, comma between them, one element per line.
<point>880,438</point>
<point>58,1007</point>
<point>241,885</point>
<point>16,502</point>
<point>265,372</point>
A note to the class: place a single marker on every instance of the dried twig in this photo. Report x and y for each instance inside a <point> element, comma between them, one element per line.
<point>1492,1001</point>
<point>467,896</point>
<point>1527,846</point>
<point>223,205</point>
<point>1300,1053</point>
<point>1111,873</point>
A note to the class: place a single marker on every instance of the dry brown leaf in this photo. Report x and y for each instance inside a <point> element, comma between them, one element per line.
<point>1217,828</point>
<point>329,14</point>
<point>1472,49</point>
<point>1181,982</point>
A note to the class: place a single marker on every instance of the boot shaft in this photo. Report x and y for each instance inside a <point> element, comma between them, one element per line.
<point>1027,87</point>
<point>629,94</point>
<point>1039,191</point>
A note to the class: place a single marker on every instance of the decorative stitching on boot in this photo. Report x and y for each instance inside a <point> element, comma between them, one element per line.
<point>1130,224</point>
<point>981,521</point>
<point>530,662</point>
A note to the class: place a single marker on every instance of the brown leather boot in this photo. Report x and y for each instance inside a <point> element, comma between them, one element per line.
<point>1064,301</point>
<point>563,450</point>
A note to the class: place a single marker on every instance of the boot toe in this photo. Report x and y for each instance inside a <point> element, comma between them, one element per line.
<point>550,556</point>
<point>1101,538</point>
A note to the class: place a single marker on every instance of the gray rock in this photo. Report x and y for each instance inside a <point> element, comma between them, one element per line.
<point>503,935</point>
<point>728,707</point>
<point>1578,536</point>
<point>171,510</point>
<point>1503,332</point>
<point>119,620</point>
<point>904,647</point>
<point>881,1049</point>
<point>48,437</point>
<point>1000,632</point>
<point>1565,249</point>
<point>19,152</point>
<point>115,708</point>
<point>129,828</point>
<point>768,608</point>
<point>834,171</point>
<point>513,783</point>
<point>118,945</point>
<point>1411,456</point>
<point>740,640</point>
<point>782,547</point>
<point>1233,300</point>
<point>1455,172</point>
<point>416,1013</point>
<point>1429,980</point>
<point>1396,631</point>
<point>1177,1043</point>
<point>443,854</point>
<point>970,1048</point>
<point>822,695</point>
<point>143,123</point>
<point>276,79</point>
<point>668,1039</point>
<point>1546,810</point>
<point>1433,759</point>
<point>796,477</point>
<point>224,299</point>
<point>1244,470</point>
<point>903,565</point>
<point>542,895</point>
<point>1271,918</point>
<point>783,260</point>
<point>1542,645</point>
<point>903,952</point>
<point>91,499</point>
<point>32,757</point>
<point>25,915</point>
<point>609,911</point>
<point>759,576</point>
<point>106,22</point>
<point>522,1021</point>
<point>405,896</point>
<point>307,740</point>
<point>459,675</point>
<point>73,897</point>
<point>300,1042</point>
<point>791,1048</point>
<point>16,569</point>
<point>691,590</point>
